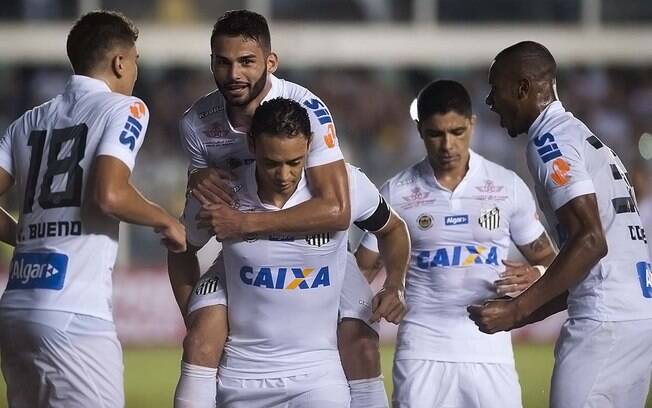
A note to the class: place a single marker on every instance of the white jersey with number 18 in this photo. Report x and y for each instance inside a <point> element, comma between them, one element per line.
<point>66,248</point>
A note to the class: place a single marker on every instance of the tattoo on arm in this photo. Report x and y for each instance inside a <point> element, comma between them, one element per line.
<point>540,251</point>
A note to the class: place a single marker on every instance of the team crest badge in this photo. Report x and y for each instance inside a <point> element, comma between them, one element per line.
<point>207,286</point>
<point>318,239</point>
<point>490,219</point>
<point>424,221</point>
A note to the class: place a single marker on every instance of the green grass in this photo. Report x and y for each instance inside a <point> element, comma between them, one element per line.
<point>151,375</point>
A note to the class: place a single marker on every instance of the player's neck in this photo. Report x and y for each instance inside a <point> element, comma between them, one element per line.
<point>450,178</point>
<point>268,195</point>
<point>240,116</point>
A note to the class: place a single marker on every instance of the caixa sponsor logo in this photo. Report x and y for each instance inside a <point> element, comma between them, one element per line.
<point>37,271</point>
<point>289,278</point>
<point>458,256</point>
<point>456,220</point>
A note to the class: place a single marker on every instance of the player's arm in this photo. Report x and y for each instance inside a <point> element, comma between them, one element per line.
<point>115,196</point>
<point>110,187</point>
<point>183,271</point>
<point>328,210</point>
<point>368,261</point>
<point>394,247</point>
<point>585,246</point>
<point>7,222</point>
<point>518,276</point>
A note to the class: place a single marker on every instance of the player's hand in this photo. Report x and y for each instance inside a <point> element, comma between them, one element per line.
<point>495,315</point>
<point>389,303</point>
<point>517,277</point>
<point>225,222</point>
<point>214,184</point>
<point>173,236</point>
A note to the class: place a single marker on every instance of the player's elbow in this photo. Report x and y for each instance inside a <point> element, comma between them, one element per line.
<point>340,214</point>
<point>596,243</point>
<point>107,200</point>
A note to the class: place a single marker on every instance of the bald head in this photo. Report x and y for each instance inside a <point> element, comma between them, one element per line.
<point>529,59</point>
<point>523,84</point>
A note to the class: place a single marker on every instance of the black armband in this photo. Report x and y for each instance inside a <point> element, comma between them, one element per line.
<point>378,219</point>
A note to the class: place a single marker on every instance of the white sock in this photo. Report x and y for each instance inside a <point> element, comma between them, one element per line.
<point>197,387</point>
<point>368,393</point>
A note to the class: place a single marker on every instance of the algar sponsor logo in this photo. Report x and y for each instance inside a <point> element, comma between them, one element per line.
<point>38,271</point>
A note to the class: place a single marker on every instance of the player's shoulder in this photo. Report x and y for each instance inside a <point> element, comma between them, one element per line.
<point>492,169</point>
<point>205,107</point>
<point>407,177</point>
<point>296,92</point>
<point>31,117</point>
<point>107,103</point>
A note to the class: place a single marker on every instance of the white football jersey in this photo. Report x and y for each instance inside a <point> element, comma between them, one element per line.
<point>459,239</point>
<point>66,248</point>
<point>211,141</point>
<point>566,161</point>
<point>284,289</point>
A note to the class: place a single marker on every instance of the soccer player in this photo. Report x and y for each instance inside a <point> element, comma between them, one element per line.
<point>462,212</point>
<point>214,134</point>
<point>602,273</point>
<point>284,289</point>
<point>71,159</point>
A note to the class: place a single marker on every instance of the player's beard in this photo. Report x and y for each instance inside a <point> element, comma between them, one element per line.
<point>256,89</point>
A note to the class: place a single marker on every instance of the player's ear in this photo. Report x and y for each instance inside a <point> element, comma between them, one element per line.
<point>271,62</point>
<point>118,65</point>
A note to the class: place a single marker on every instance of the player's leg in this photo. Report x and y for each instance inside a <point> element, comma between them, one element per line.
<point>204,341</point>
<point>420,383</point>
<point>488,385</point>
<point>59,359</point>
<point>358,342</point>
<point>608,363</point>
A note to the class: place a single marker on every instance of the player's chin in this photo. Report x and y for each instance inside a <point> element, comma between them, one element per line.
<point>239,100</point>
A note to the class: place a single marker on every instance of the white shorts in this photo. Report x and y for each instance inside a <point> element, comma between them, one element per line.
<point>327,387</point>
<point>602,364</point>
<point>60,359</point>
<point>355,299</point>
<point>442,384</point>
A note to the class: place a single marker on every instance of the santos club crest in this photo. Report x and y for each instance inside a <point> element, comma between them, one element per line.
<point>490,218</point>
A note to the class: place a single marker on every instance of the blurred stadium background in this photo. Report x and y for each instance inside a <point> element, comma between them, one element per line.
<point>366,59</point>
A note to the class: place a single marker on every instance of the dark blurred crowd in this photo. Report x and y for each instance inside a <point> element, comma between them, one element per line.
<point>371,112</point>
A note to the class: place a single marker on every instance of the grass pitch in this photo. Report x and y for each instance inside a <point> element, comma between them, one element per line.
<point>151,375</point>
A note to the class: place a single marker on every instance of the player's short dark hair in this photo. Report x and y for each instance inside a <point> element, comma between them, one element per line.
<point>94,34</point>
<point>244,23</point>
<point>532,59</point>
<point>281,117</point>
<point>443,96</point>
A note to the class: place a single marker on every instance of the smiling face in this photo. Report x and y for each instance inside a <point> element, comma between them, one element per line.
<point>240,66</point>
<point>447,138</point>
<point>506,99</point>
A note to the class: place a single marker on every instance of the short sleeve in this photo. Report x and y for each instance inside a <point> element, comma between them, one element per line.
<point>524,225</point>
<point>125,130</point>
<point>369,240</point>
<point>196,236</point>
<point>191,144</point>
<point>6,154</point>
<point>561,172</point>
<point>324,146</point>
<point>369,210</point>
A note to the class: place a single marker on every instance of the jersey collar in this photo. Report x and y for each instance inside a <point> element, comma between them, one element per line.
<point>84,84</point>
<point>275,90</point>
<point>428,173</point>
<point>551,111</point>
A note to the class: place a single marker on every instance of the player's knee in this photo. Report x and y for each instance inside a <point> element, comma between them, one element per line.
<point>205,338</point>
<point>359,349</point>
